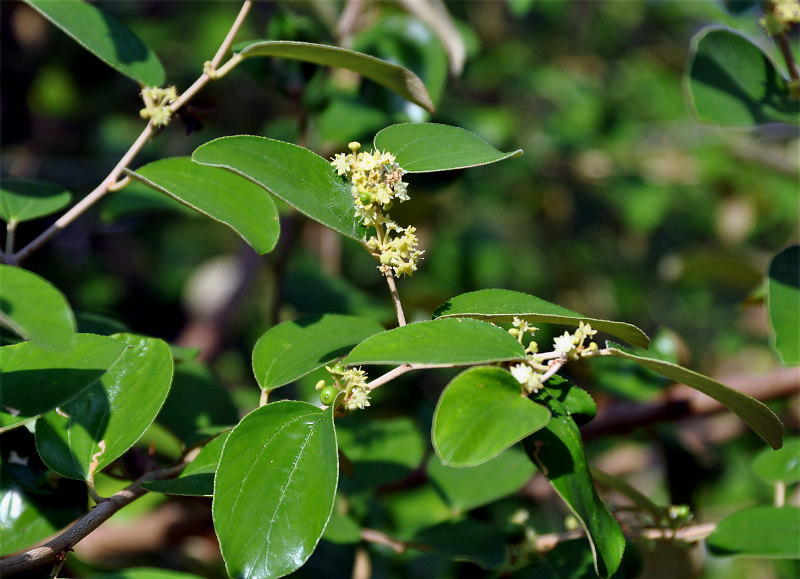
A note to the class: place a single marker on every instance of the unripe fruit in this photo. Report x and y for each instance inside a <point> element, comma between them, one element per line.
<point>365,198</point>
<point>328,395</point>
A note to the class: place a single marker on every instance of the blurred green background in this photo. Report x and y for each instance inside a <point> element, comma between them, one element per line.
<point>621,207</point>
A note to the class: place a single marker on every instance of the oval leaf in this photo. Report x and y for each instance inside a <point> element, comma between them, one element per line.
<point>779,465</point>
<point>145,573</point>
<point>395,78</point>
<point>197,479</point>
<point>35,310</point>
<point>224,196</point>
<point>465,489</point>
<point>99,425</point>
<point>757,416</point>
<point>428,147</point>
<point>442,343</point>
<point>503,305</point>
<point>275,488</point>
<point>291,350</point>
<point>24,200</point>
<point>36,381</point>
<point>783,303</point>
<point>480,414</point>
<point>732,82</point>
<point>575,401</point>
<point>299,177</point>
<point>105,37</point>
<point>758,532</point>
<point>558,452</point>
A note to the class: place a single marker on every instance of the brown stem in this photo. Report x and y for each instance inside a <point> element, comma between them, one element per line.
<point>398,307</point>
<point>794,72</point>
<point>85,525</point>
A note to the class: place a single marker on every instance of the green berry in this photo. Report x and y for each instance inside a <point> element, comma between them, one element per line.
<point>365,198</point>
<point>328,395</point>
<point>338,368</point>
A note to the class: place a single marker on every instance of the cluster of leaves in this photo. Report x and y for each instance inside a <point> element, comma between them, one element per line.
<point>274,477</point>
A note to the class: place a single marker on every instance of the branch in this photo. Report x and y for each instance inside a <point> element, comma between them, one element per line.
<point>85,525</point>
<point>688,534</point>
<point>398,307</point>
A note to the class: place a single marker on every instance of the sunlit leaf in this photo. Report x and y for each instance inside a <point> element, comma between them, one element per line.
<point>224,196</point>
<point>105,37</point>
<point>299,177</point>
<point>96,427</point>
<point>24,200</point>
<point>480,414</point>
<point>275,488</point>
<point>448,342</point>
<point>730,81</point>
<point>503,305</point>
<point>783,302</point>
<point>758,532</point>
<point>757,416</point>
<point>35,310</point>
<point>396,78</point>
<point>291,350</point>
<point>36,380</point>
<point>428,147</point>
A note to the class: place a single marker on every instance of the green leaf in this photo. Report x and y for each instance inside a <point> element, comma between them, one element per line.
<point>145,573</point>
<point>465,489</point>
<point>197,479</point>
<point>757,416</point>
<point>36,381</point>
<point>196,403</point>
<point>502,305</point>
<point>291,350</point>
<point>105,37</point>
<point>24,200</point>
<point>224,196</point>
<point>381,451</point>
<point>137,198</point>
<point>731,81</point>
<point>575,401</point>
<point>428,147</point>
<point>467,540</point>
<point>275,488</point>
<point>295,175</point>
<point>35,310</point>
<point>779,465</point>
<point>95,428</point>
<point>396,78</point>
<point>480,414</point>
<point>758,532</point>
<point>558,452</point>
<point>451,342</point>
<point>783,304</point>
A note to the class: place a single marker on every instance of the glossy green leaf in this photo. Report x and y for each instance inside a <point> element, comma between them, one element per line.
<point>291,350</point>
<point>757,416</point>
<point>758,532</point>
<point>24,200</point>
<point>35,309</point>
<point>197,403</point>
<point>105,37</point>
<point>466,540</point>
<point>380,451</point>
<point>224,196</point>
<point>299,177</point>
<point>558,452</point>
<point>197,479</point>
<point>576,401</point>
<point>465,489</point>
<point>730,81</point>
<point>779,465</point>
<point>396,78</point>
<point>450,342</point>
<point>428,147</point>
<point>783,304</point>
<point>96,427</point>
<point>34,505</point>
<point>503,305</point>
<point>36,380</point>
<point>482,412</point>
<point>275,488</point>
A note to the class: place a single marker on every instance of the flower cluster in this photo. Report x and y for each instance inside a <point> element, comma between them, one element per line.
<point>780,15</point>
<point>376,182</point>
<point>532,373</point>
<point>156,104</point>
<point>351,381</point>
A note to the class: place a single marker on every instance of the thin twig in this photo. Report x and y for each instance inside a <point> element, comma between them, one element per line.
<point>85,525</point>
<point>688,534</point>
<point>373,536</point>
<point>390,375</point>
<point>398,307</point>
<point>786,50</point>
